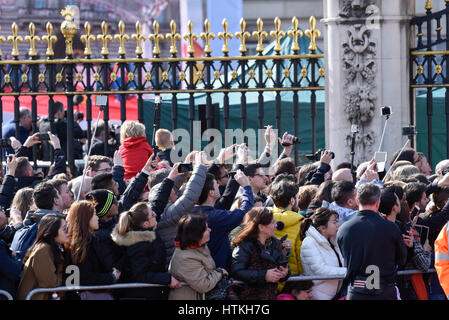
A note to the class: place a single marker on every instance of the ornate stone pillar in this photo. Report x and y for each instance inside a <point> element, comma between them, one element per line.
<point>366,46</point>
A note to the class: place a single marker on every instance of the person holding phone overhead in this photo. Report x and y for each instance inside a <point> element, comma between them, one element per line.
<point>258,258</point>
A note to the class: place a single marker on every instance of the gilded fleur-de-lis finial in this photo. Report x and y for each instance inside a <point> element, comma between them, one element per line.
<point>32,39</point>
<point>278,34</point>
<point>225,35</point>
<point>2,39</point>
<point>206,36</point>
<point>295,33</point>
<point>190,37</point>
<point>312,33</point>
<point>122,37</point>
<point>173,37</point>
<point>260,35</point>
<point>138,37</point>
<point>156,37</point>
<point>50,39</point>
<point>243,36</point>
<point>87,38</point>
<point>105,37</point>
<point>68,28</point>
<point>428,4</point>
<point>15,39</point>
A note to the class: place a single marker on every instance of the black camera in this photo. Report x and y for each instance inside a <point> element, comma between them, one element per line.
<point>317,155</point>
<point>409,131</point>
<point>386,110</point>
<point>295,140</point>
<point>4,143</point>
<point>79,115</point>
<point>114,128</point>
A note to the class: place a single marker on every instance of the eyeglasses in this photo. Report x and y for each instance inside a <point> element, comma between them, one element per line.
<point>103,170</point>
<point>260,175</point>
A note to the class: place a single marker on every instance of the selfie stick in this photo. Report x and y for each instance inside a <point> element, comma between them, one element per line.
<point>387,116</point>
<point>406,143</point>
<point>101,104</point>
<point>157,116</point>
<point>354,130</point>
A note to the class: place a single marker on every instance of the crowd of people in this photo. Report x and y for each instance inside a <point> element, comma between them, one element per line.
<point>136,217</point>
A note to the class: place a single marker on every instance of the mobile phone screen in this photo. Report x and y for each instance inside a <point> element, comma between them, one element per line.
<point>380,158</point>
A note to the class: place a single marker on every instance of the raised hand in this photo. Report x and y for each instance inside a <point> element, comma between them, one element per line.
<point>54,141</point>
<point>118,160</point>
<point>242,154</point>
<point>30,141</point>
<point>174,171</point>
<point>149,165</point>
<point>15,144</point>
<point>241,178</point>
<point>326,156</point>
<point>11,164</point>
<point>226,154</point>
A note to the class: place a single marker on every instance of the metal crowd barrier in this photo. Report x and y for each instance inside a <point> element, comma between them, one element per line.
<point>147,285</point>
<point>6,294</point>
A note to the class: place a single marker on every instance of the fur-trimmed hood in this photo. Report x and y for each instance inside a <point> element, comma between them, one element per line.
<point>133,237</point>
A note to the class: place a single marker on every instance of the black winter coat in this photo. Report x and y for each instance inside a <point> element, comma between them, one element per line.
<point>250,262</point>
<point>133,192</point>
<point>435,222</point>
<point>109,252</point>
<point>10,271</point>
<point>144,262</point>
<point>94,270</point>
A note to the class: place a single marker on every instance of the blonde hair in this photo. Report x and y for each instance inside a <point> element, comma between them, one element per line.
<point>398,164</point>
<point>131,129</point>
<point>23,200</point>
<point>405,171</point>
<point>132,219</point>
<point>162,138</point>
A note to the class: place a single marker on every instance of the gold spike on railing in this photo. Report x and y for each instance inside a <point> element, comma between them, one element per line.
<point>190,37</point>
<point>15,39</point>
<point>225,35</point>
<point>173,37</point>
<point>294,34</point>
<point>87,38</point>
<point>428,4</point>
<point>32,39</point>
<point>50,39</point>
<point>105,37</point>
<point>2,39</point>
<point>312,33</point>
<point>68,29</point>
<point>243,36</point>
<point>122,37</point>
<point>206,36</point>
<point>156,37</point>
<point>278,34</point>
<point>138,37</point>
<point>260,35</point>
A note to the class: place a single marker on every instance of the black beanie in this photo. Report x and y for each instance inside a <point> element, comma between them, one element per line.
<point>104,200</point>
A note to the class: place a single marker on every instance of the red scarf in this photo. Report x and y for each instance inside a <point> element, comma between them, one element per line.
<point>192,246</point>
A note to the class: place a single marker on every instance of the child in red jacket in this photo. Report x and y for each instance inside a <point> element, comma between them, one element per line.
<point>134,147</point>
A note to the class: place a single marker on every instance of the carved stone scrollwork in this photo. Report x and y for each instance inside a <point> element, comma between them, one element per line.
<point>359,69</point>
<point>356,8</point>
